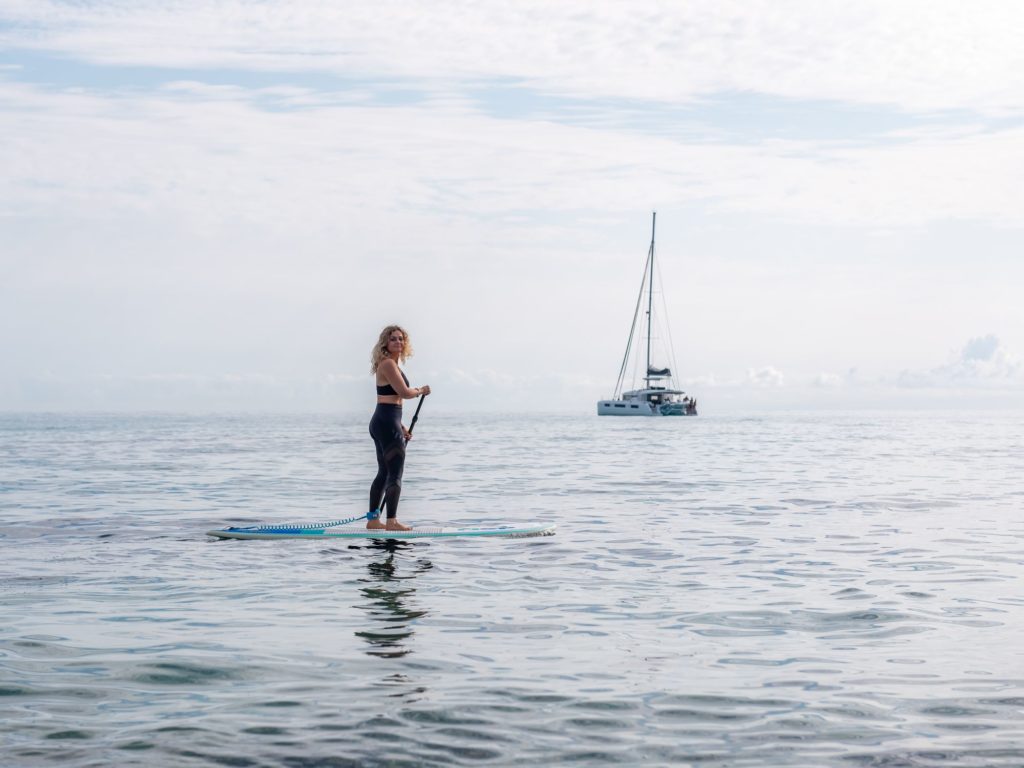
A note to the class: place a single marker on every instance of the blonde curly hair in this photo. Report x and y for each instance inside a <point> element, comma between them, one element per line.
<point>380,349</point>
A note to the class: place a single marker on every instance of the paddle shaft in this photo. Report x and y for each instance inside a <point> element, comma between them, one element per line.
<point>417,414</point>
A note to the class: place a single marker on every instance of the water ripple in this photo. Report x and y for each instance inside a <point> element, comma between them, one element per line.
<point>789,590</point>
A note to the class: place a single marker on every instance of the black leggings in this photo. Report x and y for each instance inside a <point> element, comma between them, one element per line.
<point>388,439</point>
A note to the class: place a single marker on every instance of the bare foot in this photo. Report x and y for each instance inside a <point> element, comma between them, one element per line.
<point>374,525</point>
<point>394,525</point>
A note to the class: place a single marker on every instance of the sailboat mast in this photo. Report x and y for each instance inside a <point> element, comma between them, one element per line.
<point>650,297</point>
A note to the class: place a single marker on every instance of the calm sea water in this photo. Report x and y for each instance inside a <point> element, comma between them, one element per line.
<point>792,589</point>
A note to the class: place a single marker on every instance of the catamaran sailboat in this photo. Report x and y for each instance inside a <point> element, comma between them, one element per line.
<point>658,396</point>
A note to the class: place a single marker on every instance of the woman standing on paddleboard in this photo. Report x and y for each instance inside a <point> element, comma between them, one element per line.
<point>386,429</point>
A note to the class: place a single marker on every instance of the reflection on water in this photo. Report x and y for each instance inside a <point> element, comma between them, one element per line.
<point>389,595</point>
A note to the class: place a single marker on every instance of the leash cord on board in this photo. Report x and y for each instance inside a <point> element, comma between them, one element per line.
<point>286,527</point>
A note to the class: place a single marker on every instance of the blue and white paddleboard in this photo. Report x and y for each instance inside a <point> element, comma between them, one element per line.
<point>285,532</point>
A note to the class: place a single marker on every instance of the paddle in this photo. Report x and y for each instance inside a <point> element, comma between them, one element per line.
<point>417,414</point>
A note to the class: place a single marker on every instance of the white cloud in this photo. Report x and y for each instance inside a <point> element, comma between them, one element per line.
<point>766,377</point>
<point>832,380</point>
<point>217,155</point>
<point>983,362</point>
<point>982,349</point>
<point>917,54</point>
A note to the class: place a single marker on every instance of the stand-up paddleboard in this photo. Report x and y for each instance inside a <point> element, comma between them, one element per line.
<point>334,529</point>
<point>284,532</point>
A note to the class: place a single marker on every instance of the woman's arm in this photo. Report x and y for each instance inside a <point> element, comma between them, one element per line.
<point>394,377</point>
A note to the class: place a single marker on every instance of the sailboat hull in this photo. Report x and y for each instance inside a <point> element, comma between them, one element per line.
<point>624,408</point>
<point>641,408</point>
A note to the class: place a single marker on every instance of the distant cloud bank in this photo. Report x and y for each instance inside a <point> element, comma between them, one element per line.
<point>982,362</point>
<point>981,365</point>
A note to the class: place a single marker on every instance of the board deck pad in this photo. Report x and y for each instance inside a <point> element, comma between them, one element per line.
<point>269,532</point>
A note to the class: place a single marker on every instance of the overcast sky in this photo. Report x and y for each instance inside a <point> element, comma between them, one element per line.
<point>218,205</point>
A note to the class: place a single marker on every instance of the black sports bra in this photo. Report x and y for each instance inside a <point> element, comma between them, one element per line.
<point>387,389</point>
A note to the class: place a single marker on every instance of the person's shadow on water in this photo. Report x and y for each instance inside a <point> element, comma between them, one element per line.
<point>389,594</point>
